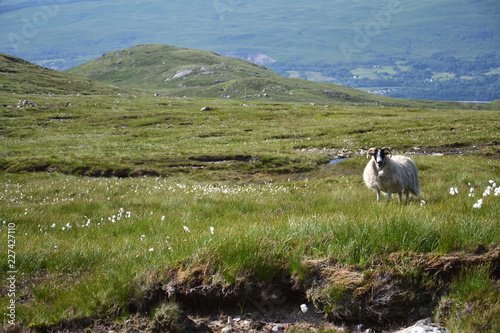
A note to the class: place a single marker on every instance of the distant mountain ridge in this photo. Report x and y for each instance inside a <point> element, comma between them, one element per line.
<point>65,33</point>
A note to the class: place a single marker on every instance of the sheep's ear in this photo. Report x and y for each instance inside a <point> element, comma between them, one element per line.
<point>370,151</point>
<point>387,151</point>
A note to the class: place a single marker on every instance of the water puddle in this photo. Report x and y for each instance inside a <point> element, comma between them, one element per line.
<point>337,160</point>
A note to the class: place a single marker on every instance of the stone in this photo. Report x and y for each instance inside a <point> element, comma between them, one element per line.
<point>424,326</point>
<point>25,102</point>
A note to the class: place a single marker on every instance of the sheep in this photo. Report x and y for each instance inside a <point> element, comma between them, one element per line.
<point>391,174</point>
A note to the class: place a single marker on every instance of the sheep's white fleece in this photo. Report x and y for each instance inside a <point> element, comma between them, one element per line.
<point>399,174</point>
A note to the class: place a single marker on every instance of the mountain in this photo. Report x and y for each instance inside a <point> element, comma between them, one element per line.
<point>22,77</point>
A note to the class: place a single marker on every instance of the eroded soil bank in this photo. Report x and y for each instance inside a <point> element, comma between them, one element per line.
<point>389,294</point>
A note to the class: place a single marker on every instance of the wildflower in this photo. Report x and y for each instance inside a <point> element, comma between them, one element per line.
<point>478,204</point>
<point>487,191</point>
<point>423,202</point>
<point>303,308</point>
<point>212,229</point>
<point>151,249</point>
<point>53,225</point>
<point>163,218</point>
<point>186,229</point>
<point>453,190</point>
<point>471,192</point>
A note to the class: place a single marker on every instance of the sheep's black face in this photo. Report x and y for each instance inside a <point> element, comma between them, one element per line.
<point>379,157</point>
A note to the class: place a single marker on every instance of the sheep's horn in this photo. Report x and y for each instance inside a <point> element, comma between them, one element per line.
<point>370,151</point>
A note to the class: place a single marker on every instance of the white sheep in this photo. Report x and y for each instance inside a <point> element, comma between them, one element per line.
<point>391,174</point>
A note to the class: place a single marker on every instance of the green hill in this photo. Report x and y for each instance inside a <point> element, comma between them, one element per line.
<point>179,71</point>
<point>164,67</point>
<point>22,77</point>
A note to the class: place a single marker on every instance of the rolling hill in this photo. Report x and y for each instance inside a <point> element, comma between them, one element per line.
<point>19,76</point>
<point>176,71</point>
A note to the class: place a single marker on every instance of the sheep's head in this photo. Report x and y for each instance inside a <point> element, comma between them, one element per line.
<point>380,155</point>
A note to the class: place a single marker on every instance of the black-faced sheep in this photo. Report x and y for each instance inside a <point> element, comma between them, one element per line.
<point>391,174</point>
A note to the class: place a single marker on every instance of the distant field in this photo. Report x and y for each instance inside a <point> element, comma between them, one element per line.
<point>118,201</point>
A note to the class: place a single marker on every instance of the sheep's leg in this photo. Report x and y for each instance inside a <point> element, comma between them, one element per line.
<point>377,191</point>
<point>389,196</point>
<point>407,196</point>
<point>400,195</point>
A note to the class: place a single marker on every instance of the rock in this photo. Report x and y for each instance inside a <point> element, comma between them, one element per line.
<point>206,108</point>
<point>25,102</point>
<point>228,329</point>
<point>424,326</point>
<point>278,328</point>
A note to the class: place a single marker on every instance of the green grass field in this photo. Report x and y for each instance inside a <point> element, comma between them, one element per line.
<point>109,193</point>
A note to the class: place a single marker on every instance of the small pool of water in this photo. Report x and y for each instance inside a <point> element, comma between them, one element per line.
<point>337,160</point>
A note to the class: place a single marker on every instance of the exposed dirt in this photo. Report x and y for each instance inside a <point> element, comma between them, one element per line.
<point>390,294</point>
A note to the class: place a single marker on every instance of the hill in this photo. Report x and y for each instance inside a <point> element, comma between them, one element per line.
<point>179,71</point>
<point>22,77</point>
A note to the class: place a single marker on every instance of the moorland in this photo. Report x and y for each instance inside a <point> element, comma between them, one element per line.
<point>173,213</point>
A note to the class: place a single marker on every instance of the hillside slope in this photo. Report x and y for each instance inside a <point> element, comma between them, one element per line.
<point>155,66</point>
<point>22,77</point>
<point>194,73</point>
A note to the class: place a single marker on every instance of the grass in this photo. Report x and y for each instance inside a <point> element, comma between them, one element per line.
<point>472,304</point>
<point>243,190</point>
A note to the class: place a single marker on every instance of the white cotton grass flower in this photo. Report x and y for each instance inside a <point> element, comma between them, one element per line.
<point>471,192</point>
<point>186,229</point>
<point>423,202</point>
<point>478,204</point>
<point>487,191</point>
<point>453,190</point>
<point>212,230</point>
<point>151,249</point>
<point>303,308</point>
